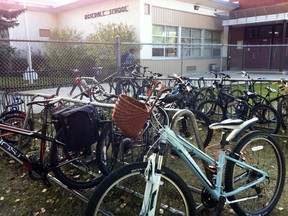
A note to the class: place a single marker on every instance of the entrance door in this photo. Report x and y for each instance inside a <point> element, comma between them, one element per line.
<point>276,54</point>
<point>257,56</point>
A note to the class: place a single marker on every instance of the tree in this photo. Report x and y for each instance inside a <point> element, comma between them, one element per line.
<point>8,19</point>
<point>64,55</point>
<point>104,55</point>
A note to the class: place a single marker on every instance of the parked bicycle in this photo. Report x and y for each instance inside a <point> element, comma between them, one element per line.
<point>226,106</point>
<point>242,177</point>
<point>74,167</point>
<point>278,99</point>
<point>14,116</point>
<point>136,82</point>
<point>81,88</point>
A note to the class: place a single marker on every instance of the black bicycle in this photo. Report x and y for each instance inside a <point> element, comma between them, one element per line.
<point>227,106</point>
<point>74,167</point>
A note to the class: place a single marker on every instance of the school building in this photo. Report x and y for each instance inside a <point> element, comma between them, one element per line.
<point>161,25</point>
<point>261,23</point>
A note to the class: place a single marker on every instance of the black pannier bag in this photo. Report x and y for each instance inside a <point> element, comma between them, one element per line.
<point>79,124</point>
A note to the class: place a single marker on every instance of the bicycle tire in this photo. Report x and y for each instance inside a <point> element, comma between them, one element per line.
<point>114,150</point>
<point>125,87</point>
<point>203,94</point>
<point>213,109</point>
<point>98,93</point>
<point>282,110</point>
<point>106,151</point>
<point>76,169</point>
<point>260,150</point>
<point>75,93</point>
<point>236,93</point>
<point>269,119</point>
<point>123,190</point>
<point>17,119</point>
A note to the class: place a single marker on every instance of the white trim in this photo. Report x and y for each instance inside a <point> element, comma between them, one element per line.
<point>256,19</point>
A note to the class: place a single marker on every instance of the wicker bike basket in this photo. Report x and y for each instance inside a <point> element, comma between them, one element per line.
<point>130,114</point>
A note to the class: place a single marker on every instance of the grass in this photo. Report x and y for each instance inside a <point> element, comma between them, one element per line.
<point>19,195</point>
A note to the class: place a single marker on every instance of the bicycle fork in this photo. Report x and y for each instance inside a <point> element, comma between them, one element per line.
<point>153,182</point>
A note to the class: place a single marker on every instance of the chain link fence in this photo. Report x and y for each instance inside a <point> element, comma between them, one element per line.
<point>31,65</point>
<point>50,63</point>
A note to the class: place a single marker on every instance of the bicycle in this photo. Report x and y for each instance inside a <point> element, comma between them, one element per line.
<point>114,149</point>
<point>13,116</point>
<point>73,167</point>
<point>250,186</point>
<point>81,88</point>
<point>227,106</point>
<point>135,83</point>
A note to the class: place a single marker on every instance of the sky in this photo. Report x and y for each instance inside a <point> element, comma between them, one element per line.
<point>44,3</point>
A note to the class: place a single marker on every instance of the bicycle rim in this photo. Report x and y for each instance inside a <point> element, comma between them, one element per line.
<point>269,120</point>
<point>122,192</point>
<point>17,119</point>
<point>259,150</point>
<point>212,109</point>
<point>77,169</point>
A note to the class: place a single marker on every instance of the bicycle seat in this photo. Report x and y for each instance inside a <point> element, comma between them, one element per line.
<point>136,74</point>
<point>233,124</point>
<point>227,124</point>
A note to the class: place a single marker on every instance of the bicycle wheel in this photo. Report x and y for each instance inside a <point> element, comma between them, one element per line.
<point>283,111</point>
<point>107,150</point>
<point>16,119</point>
<point>213,110</point>
<point>76,169</point>
<point>260,150</point>
<point>236,93</point>
<point>125,87</point>
<point>98,93</point>
<point>75,92</point>
<point>269,120</point>
<point>203,94</point>
<point>122,193</point>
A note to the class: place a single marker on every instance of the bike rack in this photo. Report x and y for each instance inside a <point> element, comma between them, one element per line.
<point>74,192</point>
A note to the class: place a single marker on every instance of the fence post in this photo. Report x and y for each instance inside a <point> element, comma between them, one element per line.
<point>118,54</point>
<point>182,46</point>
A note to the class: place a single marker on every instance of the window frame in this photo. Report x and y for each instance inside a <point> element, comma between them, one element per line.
<point>165,39</point>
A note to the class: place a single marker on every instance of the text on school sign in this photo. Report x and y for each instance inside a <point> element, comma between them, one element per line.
<point>107,12</point>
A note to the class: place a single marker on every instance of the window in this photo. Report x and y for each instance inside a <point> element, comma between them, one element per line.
<point>212,37</point>
<point>164,37</point>
<point>44,32</point>
<point>146,9</point>
<point>191,36</point>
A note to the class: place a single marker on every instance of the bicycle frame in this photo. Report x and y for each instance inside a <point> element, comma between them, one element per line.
<point>181,145</point>
<point>184,148</point>
<point>18,155</point>
<point>21,158</point>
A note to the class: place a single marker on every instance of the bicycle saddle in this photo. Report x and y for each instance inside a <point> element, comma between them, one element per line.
<point>233,124</point>
<point>227,124</point>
